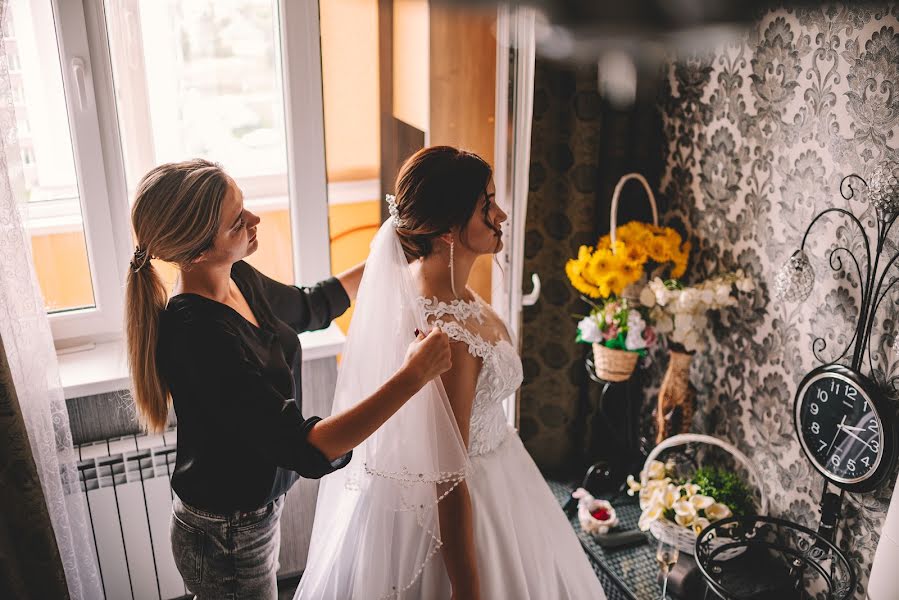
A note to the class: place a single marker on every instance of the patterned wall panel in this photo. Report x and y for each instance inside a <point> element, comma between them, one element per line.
<point>760,133</point>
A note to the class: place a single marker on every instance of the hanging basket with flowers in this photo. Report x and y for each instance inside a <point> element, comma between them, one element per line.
<point>609,277</point>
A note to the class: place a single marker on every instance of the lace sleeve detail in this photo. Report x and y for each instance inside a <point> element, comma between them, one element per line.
<point>477,346</point>
<point>451,316</point>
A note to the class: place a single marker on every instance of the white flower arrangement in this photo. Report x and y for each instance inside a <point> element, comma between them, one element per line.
<point>660,498</point>
<point>681,312</point>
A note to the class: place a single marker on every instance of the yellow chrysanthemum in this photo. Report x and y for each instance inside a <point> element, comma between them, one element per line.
<point>574,268</point>
<point>635,254</point>
<point>657,250</point>
<point>630,271</point>
<point>614,282</point>
<point>584,252</point>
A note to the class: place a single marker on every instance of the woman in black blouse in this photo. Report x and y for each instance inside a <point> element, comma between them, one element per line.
<point>224,351</point>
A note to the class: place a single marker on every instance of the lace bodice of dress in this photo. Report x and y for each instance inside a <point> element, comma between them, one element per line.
<point>487,338</point>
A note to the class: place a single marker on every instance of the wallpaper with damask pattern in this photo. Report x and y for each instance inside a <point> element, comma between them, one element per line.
<point>760,133</point>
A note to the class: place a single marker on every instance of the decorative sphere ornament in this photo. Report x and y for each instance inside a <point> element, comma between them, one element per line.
<point>794,281</point>
<point>883,187</point>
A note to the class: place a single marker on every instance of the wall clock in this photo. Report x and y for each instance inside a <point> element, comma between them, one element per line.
<point>845,427</point>
<point>845,423</point>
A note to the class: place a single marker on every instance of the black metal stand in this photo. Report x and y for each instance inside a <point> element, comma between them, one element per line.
<point>755,557</point>
<point>629,455</point>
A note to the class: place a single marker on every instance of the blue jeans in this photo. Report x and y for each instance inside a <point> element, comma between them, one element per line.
<point>230,556</point>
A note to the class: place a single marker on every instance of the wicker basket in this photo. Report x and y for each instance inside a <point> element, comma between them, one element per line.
<point>680,537</point>
<point>614,365</point>
<point>613,216</point>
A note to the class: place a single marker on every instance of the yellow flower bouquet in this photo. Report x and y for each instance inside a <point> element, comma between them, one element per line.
<point>638,250</point>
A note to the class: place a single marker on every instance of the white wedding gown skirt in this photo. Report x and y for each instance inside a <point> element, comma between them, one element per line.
<point>526,548</point>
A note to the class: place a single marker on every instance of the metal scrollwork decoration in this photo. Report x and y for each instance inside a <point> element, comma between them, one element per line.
<point>774,556</point>
<point>795,280</point>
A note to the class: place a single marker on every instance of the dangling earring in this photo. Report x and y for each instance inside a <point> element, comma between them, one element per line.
<point>452,270</point>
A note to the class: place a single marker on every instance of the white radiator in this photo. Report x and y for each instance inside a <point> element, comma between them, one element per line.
<point>129,498</point>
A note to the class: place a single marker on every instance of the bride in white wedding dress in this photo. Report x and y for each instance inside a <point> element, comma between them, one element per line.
<point>443,502</point>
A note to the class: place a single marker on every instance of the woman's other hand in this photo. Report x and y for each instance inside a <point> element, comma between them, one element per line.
<point>428,356</point>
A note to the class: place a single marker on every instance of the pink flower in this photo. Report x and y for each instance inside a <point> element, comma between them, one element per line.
<point>649,335</point>
<point>611,331</point>
<point>610,310</point>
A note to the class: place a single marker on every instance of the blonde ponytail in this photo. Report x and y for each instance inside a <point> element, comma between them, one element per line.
<point>145,298</point>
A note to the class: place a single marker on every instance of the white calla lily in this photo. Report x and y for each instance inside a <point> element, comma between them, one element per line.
<point>650,496</point>
<point>652,513</point>
<point>633,485</point>
<point>684,508</point>
<point>699,524</point>
<point>692,489</point>
<point>656,470</point>
<point>684,520</point>
<point>718,511</point>
<point>701,502</point>
<point>671,496</point>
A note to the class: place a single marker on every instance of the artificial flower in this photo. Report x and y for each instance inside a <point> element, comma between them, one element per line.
<point>681,312</point>
<point>635,328</point>
<point>656,470</point>
<point>701,502</point>
<point>588,330</point>
<point>699,524</point>
<point>718,511</point>
<point>608,269</point>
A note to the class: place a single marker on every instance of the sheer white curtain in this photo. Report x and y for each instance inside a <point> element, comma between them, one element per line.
<point>25,331</point>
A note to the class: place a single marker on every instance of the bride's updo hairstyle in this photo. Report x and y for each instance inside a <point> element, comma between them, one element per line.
<point>437,189</point>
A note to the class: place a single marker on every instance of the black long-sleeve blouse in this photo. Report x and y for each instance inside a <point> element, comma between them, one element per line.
<point>236,389</point>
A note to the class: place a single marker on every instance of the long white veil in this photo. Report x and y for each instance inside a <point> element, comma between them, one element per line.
<point>376,521</point>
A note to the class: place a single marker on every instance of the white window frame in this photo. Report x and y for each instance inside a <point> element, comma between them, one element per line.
<point>104,319</point>
<point>82,35</point>
<point>304,120</point>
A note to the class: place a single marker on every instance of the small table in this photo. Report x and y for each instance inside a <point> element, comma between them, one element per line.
<point>628,572</point>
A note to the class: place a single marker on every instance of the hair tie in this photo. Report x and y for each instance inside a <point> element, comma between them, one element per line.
<point>140,259</point>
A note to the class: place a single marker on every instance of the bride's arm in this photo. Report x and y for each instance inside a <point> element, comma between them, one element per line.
<point>455,510</point>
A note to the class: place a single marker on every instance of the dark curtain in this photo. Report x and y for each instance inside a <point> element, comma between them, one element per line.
<point>30,565</point>
<point>580,147</point>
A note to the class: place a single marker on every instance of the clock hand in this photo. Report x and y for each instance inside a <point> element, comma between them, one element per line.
<point>850,434</point>
<point>835,435</point>
<point>853,428</point>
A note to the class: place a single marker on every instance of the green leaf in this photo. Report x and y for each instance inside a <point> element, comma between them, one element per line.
<point>725,487</point>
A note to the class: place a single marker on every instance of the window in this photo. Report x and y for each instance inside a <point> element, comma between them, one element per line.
<point>49,186</point>
<point>177,97</point>
<point>107,89</point>
<point>123,85</point>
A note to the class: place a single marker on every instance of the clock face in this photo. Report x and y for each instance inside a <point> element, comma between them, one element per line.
<point>839,427</point>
